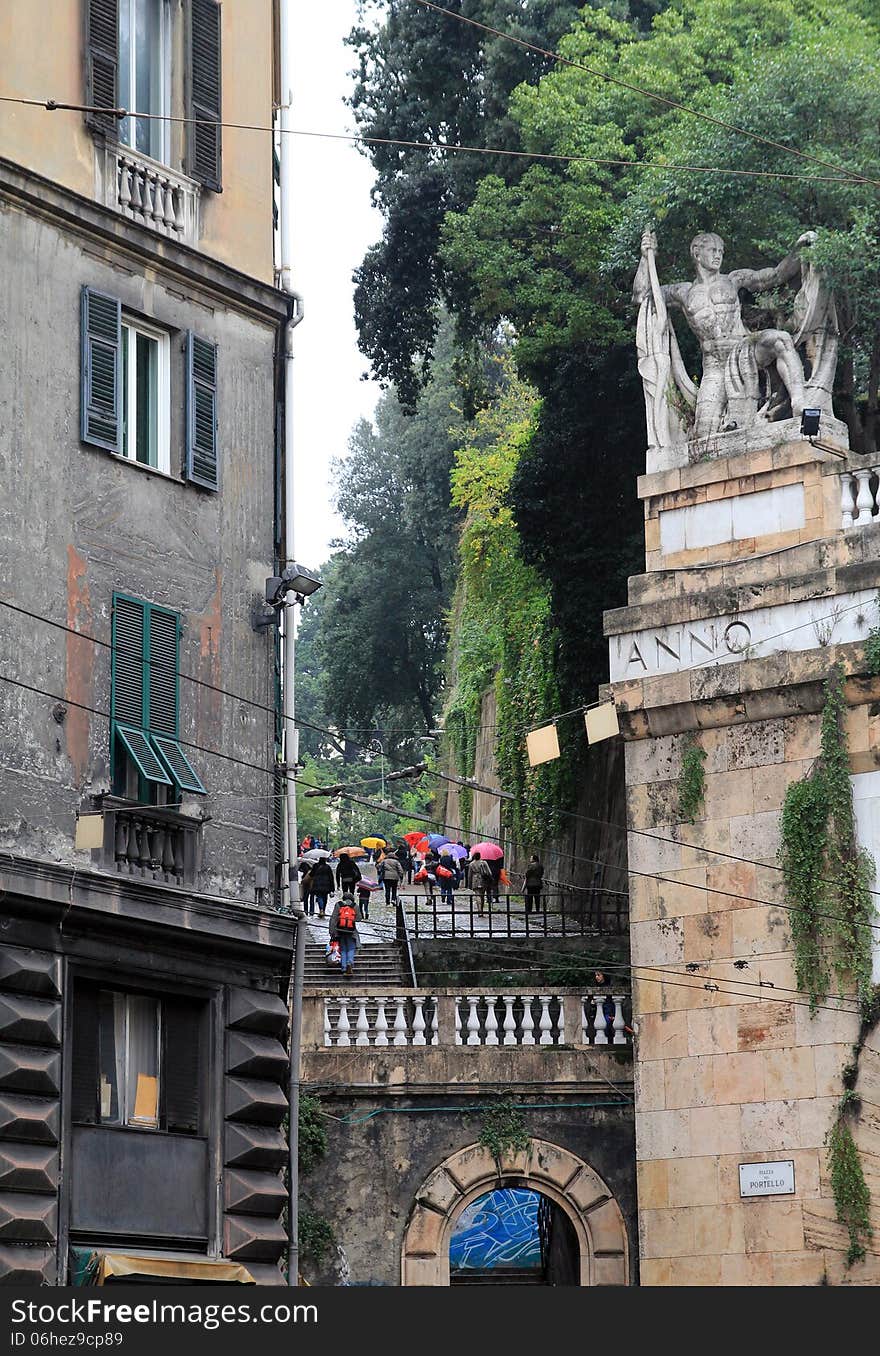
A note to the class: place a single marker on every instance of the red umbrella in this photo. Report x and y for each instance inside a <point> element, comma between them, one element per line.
<point>489,852</point>
<point>413,837</point>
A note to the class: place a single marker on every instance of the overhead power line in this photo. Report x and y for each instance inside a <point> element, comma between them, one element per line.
<point>646,93</point>
<point>433,820</point>
<point>349,792</point>
<point>657,974</point>
<point>445,147</point>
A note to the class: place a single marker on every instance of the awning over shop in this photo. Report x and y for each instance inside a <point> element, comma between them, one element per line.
<point>93,1267</point>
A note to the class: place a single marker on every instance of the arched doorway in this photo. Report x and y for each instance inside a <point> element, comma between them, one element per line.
<point>513,1236</point>
<point>599,1246</point>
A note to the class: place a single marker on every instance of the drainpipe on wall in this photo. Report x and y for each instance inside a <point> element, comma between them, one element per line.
<point>291,749</point>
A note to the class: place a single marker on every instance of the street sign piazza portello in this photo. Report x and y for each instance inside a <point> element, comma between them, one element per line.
<point>767,1179</point>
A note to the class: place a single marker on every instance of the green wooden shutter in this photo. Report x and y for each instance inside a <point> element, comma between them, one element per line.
<point>128,684</point>
<point>100,370</point>
<point>204,158</point>
<point>182,771</point>
<point>102,64</point>
<point>162,649</point>
<point>202,458</point>
<point>137,745</point>
<point>163,702</point>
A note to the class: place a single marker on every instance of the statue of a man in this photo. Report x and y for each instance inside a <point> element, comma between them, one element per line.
<point>729,393</point>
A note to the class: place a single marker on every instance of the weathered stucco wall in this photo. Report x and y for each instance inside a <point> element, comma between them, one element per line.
<point>77,523</point>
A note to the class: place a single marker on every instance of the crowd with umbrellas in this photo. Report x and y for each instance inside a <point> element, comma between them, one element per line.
<point>429,859</point>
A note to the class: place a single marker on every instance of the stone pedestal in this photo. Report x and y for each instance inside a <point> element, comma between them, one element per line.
<point>762,570</point>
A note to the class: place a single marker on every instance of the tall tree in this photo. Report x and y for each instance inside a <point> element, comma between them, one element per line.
<point>382,634</point>
<point>428,77</point>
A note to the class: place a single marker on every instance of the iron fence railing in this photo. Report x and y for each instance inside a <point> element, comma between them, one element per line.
<point>563,913</point>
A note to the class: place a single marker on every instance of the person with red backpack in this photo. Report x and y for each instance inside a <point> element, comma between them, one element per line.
<point>343,929</point>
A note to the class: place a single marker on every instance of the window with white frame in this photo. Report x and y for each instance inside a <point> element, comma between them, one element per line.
<point>144,75</point>
<point>146,400</point>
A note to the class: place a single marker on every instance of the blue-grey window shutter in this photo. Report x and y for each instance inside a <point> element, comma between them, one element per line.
<point>202,456</point>
<point>204,158</point>
<point>102,64</point>
<point>100,375</point>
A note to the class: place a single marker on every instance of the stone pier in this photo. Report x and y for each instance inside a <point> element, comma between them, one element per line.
<point>762,571</point>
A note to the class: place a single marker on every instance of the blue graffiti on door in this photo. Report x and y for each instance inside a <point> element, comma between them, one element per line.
<point>500,1229</point>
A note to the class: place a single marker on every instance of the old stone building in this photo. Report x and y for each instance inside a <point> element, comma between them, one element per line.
<point>142,959</point>
<point>412,1076</point>
<point>762,573</point>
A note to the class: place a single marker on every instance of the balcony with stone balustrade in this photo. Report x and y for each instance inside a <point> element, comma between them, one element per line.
<point>407,1038</point>
<point>148,192</point>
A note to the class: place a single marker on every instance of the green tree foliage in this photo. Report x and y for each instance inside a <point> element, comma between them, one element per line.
<point>426,76</point>
<point>816,88</point>
<point>553,252</point>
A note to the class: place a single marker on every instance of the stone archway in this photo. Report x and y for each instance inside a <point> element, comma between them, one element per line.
<point>548,1169</point>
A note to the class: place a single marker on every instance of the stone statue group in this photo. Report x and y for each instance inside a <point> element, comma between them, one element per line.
<point>749,377</point>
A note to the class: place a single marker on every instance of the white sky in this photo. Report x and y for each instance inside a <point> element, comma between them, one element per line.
<point>334,225</point>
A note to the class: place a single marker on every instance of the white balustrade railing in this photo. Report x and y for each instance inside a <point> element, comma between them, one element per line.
<point>860,496</point>
<point>148,192</point>
<point>408,1024</point>
<point>474,1019</point>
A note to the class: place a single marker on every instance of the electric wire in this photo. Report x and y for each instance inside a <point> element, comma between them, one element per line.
<point>433,820</point>
<point>648,94</point>
<point>842,176</point>
<point>256,767</point>
<point>365,782</point>
<point>563,960</point>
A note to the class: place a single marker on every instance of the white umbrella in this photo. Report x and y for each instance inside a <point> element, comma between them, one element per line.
<point>316,855</point>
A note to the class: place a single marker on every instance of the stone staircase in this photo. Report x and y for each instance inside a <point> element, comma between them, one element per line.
<point>498,1276</point>
<point>378,966</point>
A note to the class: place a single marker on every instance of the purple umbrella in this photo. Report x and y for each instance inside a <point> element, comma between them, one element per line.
<point>457,851</point>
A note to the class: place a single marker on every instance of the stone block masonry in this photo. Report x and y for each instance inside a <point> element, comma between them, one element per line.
<point>731,1067</point>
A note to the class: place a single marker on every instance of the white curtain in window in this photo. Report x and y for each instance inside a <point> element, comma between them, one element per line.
<point>142,1101</point>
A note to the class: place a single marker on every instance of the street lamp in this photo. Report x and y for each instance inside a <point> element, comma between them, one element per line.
<point>283,592</point>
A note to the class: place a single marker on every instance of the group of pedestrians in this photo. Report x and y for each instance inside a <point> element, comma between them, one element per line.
<point>446,872</point>
<point>440,869</point>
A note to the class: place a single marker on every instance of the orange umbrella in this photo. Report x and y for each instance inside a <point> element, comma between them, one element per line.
<point>352,852</point>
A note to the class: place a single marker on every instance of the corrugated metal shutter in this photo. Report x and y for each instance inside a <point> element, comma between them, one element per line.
<point>84,1063</point>
<point>182,1022</point>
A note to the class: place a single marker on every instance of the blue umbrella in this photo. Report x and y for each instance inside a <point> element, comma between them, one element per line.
<point>437,840</point>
